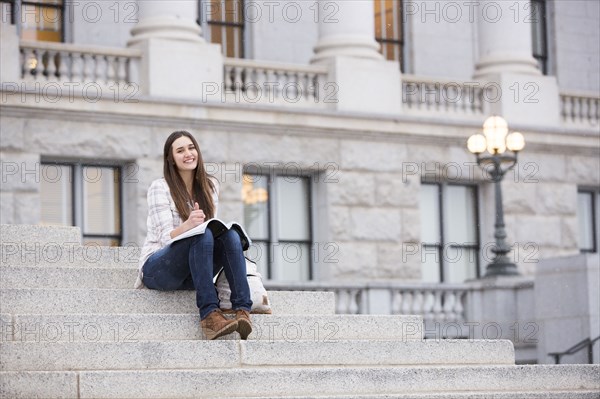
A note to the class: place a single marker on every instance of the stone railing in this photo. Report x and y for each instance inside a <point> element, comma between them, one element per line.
<point>435,302</point>
<point>60,62</point>
<point>252,82</point>
<point>426,95</point>
<point>582,109</point>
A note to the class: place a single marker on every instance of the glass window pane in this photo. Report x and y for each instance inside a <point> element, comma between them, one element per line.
<point>101,200</point>
<point>56,195</point>
<point>585,214</point>
<point>430,261</point>
<point>41,23</point>
<point>460,264</point>
<point>293,208</point>
<point>429,207</point>
<point>292,261</point>
<point>255,196</point>
<point>460,214</point>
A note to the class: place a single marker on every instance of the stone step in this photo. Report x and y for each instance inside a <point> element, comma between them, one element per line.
<point>20,233</point>
<point>53,254</point>
<point>277,381</point>
<point>164,327</point>
<point>67,277</point>
<point>18,301</point>
<point>201,354</point>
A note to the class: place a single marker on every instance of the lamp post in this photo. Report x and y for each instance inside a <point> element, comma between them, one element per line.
<point>496,140</point>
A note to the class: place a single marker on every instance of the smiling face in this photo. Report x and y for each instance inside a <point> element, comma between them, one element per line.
<point>185,154</point>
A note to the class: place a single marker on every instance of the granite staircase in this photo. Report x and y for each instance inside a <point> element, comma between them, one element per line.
<point>73,327</point>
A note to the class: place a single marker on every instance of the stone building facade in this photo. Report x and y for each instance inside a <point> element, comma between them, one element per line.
<point>315,98</point>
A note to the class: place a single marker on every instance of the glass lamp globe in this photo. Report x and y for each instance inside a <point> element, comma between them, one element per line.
<point>495,130</point>
<point>476,144</point>
<point>515,142</point>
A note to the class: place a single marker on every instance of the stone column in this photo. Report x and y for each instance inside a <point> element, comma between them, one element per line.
<point>522,95</point>
<point>173,19</point>
<point>9,62</point>
<point>505,38</point>
<point>346,28</point>
<point>177,61</point>
<point>365,81</point>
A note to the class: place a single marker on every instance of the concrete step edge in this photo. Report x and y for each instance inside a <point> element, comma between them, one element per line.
<point>32,300</point>
<point>200,354</point>
<point>303,382</point>
<point>153,326</point>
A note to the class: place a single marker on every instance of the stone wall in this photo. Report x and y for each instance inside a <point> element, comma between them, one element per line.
<point>576,33</point>
<point>368,176</point>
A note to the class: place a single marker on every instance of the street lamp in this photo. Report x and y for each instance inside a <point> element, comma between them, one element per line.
<point>496,140</point>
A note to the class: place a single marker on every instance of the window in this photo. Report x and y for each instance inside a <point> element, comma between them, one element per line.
<point>449,232</point>
<point>222,22</point>
<point>40,20</point>
<point>389,30</point>
<point>539,31</point>
<point>587,215</point>
<point>278,219</point>
<point>88,196</point>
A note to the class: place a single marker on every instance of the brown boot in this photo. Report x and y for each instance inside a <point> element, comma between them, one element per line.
<point>216,325</point>
<point>244,327</point>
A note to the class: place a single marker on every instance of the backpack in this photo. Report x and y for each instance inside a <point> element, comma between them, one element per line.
<point>258,293</point>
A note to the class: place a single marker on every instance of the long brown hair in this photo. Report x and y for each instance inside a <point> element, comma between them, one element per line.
<point>202,189</point>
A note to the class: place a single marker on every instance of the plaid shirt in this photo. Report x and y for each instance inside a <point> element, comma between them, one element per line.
<point>163,218</point>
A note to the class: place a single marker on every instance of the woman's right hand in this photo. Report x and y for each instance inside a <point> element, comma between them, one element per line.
<point>196,218</point>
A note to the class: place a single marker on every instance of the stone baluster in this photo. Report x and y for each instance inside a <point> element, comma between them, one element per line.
<point>577,107</point>
<point>100,69</point>
<point>51,65</point>
<point>341,302</point>
<point>428,303</point>
<point>63,66</point>
<point>354,301</point>
<point>437,307</point>
<point>417,305</point>
<point>228,78</point>
<point>406,302</point>
<point>77,67</point>
<point>111,69</point>
<point>458,306</point>
<point>254,91</point>
<point>122,63</point>
<point>238,82</point>
<point>449,300</point>
<point>38,65</point>
<point>396,302</point>
<point>88,68</point>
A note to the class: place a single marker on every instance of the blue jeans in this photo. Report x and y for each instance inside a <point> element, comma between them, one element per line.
<point>192,263</point>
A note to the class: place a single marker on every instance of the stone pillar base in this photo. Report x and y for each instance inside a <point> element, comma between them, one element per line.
<point>345,45</point>
<point>524,99</point>
<point>179,69</point>
<point>366,85</point>
<point>9,64</point>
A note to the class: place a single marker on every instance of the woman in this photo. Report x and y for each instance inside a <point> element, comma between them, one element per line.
<point>185,198</point>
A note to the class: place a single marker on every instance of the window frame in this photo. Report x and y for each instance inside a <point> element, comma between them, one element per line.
<point>16,13</point>
<point>77,196</point>
<point>540,18</point>
<point>442,244</point>
<point>272,241</point>
<point>401,26</point>
<point>594,193</point>
<point>207,24</point>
